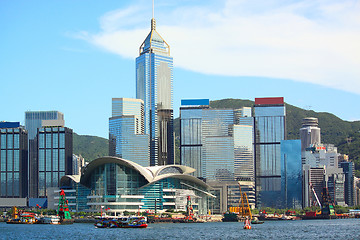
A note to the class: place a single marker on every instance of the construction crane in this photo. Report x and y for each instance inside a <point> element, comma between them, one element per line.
<point>244,207</point>
<point>313,190</point>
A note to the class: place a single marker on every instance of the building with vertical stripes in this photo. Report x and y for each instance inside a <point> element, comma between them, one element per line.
<point>13,160</point>
<point>55,157</point>
<point>126,131</point>
<point>154,85</point>
<point>269,131</point>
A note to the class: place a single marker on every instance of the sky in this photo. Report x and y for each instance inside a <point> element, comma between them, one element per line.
<point>75,56</point>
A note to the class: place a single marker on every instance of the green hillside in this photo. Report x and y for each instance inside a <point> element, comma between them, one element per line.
<point>90,147</point>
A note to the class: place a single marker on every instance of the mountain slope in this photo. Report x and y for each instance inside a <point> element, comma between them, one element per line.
<point>90,147</point>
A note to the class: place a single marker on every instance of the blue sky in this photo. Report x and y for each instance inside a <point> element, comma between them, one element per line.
<point>74,56</point>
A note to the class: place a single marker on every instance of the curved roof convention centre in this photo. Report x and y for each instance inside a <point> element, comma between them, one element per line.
<point>151,174</point>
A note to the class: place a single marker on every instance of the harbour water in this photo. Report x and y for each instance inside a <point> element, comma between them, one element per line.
<point>298,229</point>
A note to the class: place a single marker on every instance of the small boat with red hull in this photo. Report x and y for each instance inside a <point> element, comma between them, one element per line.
<point>125,222</point>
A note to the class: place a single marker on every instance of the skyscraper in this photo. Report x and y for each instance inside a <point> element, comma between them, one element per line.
<point>154,85</point>
<point>269,131</point>
<point>126,131</point>
<point>216,142</point>
<point>54,157</point>
<point>291,174</point>
<point>33,121</point>
<point>13,160</point>
<point>309,133</point>
<point>348,168</point>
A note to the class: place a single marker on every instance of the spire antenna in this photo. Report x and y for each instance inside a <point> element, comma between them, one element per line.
<point>153,9</point>
<point>153,22</point>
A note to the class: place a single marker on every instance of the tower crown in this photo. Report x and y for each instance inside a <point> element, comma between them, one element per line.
<point>154,42</point>
<point>153,24</point>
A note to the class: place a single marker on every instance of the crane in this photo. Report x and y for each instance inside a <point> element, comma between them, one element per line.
<point>313,190</point>
<point>244,208</point>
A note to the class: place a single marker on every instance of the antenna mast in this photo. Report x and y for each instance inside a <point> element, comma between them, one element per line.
<point>153,9</point>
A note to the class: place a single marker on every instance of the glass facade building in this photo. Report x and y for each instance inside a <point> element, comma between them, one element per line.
<point>54,157</point>
<point>243,151</point>
<point>126,131</point>
<point>33,121</point>
<point>13,160</point>
<point>154,85</point>
<point>291,174</point>
<point>121,185</point>
<point>269,131</point>
<point>216,142</point>
<point>349,190</point>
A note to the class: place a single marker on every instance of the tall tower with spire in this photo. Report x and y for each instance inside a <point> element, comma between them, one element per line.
<point>154,85</point>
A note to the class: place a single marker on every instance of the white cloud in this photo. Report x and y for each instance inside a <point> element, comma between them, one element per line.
<point>310,41</point>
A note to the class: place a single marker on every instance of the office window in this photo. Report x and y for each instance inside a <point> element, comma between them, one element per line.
<point>62,159</point>
<point>48,159</point>
<point>48,140</point>
<point>41,160</point>
<point>16,141</point>
<point>10,141</point>
<point>16,160</point>
<point>9,160</point>
<point>55,140</point>
<point>3,141</point>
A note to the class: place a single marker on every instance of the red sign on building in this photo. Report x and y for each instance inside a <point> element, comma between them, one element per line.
<point>272,100</point>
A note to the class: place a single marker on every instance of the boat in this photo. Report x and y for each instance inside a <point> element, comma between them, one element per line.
<point>327,207</point>
<point>48,220</point>
<point>230,217</point>
<point>102,223</point>
<point>256,221</point>
<point>124,222</point>
<point>133,222</point>
<point>21,217</point>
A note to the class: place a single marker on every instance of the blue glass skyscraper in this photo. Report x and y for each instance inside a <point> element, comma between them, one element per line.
<point>216,142</point>
<point>126,131</point>
<point>154,85</point>
<point>291,174</point>
<point>269,131</point>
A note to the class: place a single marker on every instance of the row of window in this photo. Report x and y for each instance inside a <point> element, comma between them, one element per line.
<point>10,130</point>
<point>52,160</point>
<point>9,184</point>
<point>54,140</point>
<point>9,141</point>
<point>49,179</point>
<point>10,160</point>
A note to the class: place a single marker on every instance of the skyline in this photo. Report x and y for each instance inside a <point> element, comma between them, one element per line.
<point>77,59</point>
